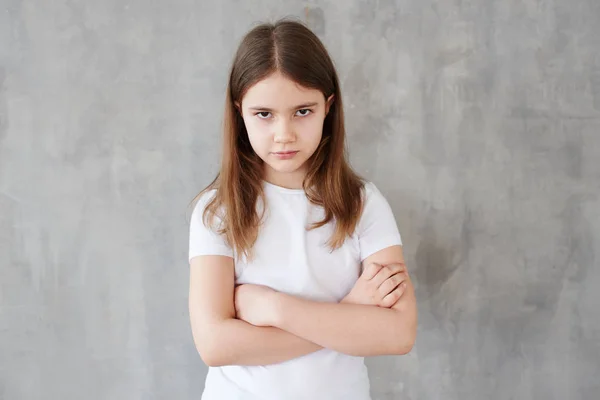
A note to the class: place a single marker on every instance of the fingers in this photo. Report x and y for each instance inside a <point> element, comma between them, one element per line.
<point>386,272</point>
<point>392,298</point>
<point>391,283</point>
<point>371,271</point>
<point>397,267</point>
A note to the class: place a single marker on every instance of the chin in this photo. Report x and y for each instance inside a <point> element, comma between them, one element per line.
<point>285,168</point>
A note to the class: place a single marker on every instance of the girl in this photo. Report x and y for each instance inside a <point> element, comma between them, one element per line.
<point>296,265</point>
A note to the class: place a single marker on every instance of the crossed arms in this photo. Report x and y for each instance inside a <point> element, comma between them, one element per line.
<point>255,325</point>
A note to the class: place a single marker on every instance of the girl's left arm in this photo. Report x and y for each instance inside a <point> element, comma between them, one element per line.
<point>353,329</point>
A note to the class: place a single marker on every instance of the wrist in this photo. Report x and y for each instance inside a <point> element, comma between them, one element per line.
<point>276,303</point>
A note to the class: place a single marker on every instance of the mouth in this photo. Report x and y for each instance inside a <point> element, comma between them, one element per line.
<point>285,154</point>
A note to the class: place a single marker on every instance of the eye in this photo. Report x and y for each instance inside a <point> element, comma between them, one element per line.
<point>263,114</point>
<point>303,112</point>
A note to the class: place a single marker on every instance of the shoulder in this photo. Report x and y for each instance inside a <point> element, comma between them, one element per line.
<point>198,217</point>
<point>377,227</point>
<point>206,235</point>
<point>371,193</point>
<point>375,205</point>
<point>370,187</point>
<point>202,201</point>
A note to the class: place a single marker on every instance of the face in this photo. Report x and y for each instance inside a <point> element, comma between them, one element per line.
<point>285,124</point>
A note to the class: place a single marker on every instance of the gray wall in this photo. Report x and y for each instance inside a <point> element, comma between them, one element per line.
<point>479,120</point>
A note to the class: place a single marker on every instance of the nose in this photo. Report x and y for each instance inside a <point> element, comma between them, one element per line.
<point>284,133</point>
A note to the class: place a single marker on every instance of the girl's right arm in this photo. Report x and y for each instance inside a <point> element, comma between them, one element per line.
<point>220,338</point>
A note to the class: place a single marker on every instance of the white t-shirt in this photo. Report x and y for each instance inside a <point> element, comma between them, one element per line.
<point>297,261</point>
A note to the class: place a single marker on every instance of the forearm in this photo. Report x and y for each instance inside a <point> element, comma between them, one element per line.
<point>353,329</point>
<point>235,342</point>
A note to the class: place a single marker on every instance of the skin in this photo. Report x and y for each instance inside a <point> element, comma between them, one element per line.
<point>255,325</point>
<point>355,329</point>
<point>281,115</point>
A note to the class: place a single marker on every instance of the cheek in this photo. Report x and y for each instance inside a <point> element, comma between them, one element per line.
<point>251,126</point>
<point>311,130</point>
<point>257,134</point>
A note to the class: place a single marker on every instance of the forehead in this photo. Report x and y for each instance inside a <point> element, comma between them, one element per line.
<point>279,92</point>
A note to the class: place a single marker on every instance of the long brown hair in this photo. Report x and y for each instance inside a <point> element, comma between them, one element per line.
<point>292,49</point>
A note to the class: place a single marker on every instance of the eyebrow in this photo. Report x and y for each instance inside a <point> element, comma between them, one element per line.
<point>298,107</point>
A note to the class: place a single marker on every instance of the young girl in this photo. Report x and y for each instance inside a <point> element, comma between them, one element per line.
<point>296,265</point>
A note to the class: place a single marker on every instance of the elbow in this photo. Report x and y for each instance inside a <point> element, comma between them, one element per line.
<point>404,344</point>
<point>209,356</point>
<point>405,337</point>
<point>212,355</point>
<point>212,352</point>
<point>403,347</point>
<point>209,336</point>
<point>212,360</point>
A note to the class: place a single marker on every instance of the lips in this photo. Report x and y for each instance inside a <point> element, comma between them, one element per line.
<point>285,155</point>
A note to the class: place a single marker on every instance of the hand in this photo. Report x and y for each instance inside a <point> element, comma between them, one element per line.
<point>254,304</point>
<point>379,285</point>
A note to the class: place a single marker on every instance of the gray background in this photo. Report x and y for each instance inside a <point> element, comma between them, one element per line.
<point>479,120</point>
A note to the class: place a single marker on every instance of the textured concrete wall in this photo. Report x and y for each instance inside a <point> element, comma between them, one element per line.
<point>479,120</point>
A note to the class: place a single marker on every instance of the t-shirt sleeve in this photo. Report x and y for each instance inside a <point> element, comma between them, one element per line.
<point>377,228</point>
<point>203,240</point>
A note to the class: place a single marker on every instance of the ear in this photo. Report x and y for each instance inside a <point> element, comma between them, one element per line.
<point>238,106</point>
<point>328,103</point>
